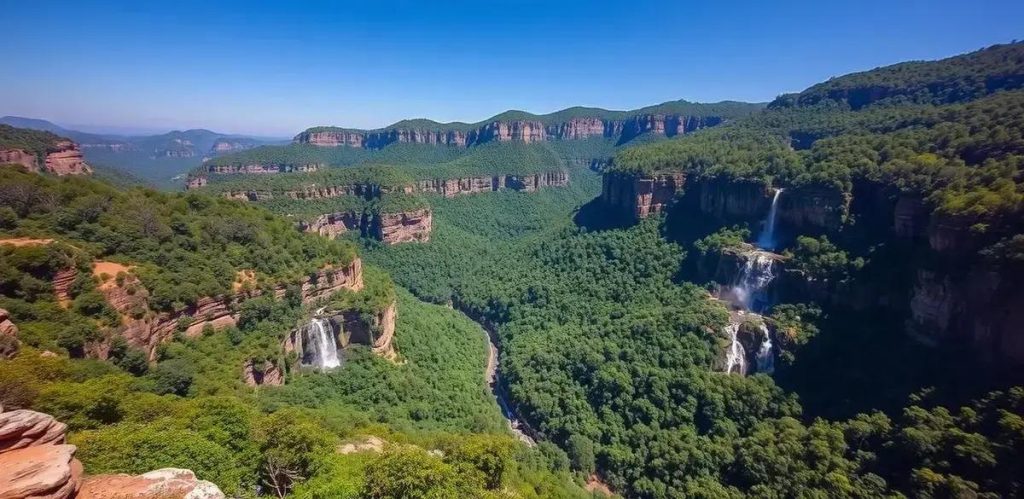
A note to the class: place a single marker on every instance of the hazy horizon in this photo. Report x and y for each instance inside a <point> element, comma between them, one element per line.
<point>274,70</point>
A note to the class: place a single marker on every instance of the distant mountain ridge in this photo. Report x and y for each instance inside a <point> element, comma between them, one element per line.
<point>156,158</point>
<point>668,118</point>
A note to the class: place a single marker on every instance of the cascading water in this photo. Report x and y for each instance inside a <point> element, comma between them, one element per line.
<point>765,355</point>
<point>752,280</point>
<point>318,345</point>
<point>736,357</point>
<point>767,238</point>
<point>748,294</point>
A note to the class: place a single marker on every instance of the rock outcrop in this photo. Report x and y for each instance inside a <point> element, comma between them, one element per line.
<point>40,472</point>
<point>7,327</point>
<point>66,159</point>
<point>727,200</point>
<point>390,228</point>
<point>165,483</point>
<point>34,461</point>
<point>405,226</point>
<point>19,157</point>
<point>62,158</point>
<point>640,195</point>
<point>262,373</point>
<point>354,327</point>
<point>146,329</point>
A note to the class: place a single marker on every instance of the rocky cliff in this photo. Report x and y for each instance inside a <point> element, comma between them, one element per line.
<point>261,168</point>
<point>981,307</point>
<point>446,187</point>
<point>640,195</point>
<point>389,228</point>
<point>355,327</point>
<point>146,329</point>
<point>35,463</point>
<point>62,158</point>
<point>526,131</point>
<point>404,226</point>
<point>267,373</point>
<point>7,327</point>
<point>813,209</point>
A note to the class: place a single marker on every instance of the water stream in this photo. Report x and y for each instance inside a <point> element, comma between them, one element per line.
<point>318,345</point>
<point>748,294</point>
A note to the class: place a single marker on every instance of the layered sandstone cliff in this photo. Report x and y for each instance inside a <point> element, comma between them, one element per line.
<point>34,459</point>
<point>446,187</point>
<point>267,373</point>
<point>146,329</point>
<point>404,226</point>
<point>640,195</point>
<point>525,131</point>
<point>62,158</point>
<point>36,463</point>
<point>354,327</point>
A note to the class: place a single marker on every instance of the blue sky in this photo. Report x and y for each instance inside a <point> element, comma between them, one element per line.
<point>275,68</point>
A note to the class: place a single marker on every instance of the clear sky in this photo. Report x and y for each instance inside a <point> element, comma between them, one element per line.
<point>275,68</point>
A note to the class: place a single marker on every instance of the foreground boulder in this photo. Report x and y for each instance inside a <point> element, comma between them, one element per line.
<point>42,471</point>
<point>166,483</point>
<point>22,428</point>
<point>34,462</point>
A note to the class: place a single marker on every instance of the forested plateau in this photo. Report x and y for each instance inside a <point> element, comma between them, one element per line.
<point>820,297</point>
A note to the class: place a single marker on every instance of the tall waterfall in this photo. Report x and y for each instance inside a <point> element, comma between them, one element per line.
<point>318,345</point>
<point>752,280</point>
<point>765,355</point>
<point>736,357</point>
<point>767,238</point>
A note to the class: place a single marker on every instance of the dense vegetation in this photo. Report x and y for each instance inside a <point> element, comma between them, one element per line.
<point>183,246</point>
<point>190,407</point>
<point>31,141</point>
<point>608,353</point>
<point>725,109</point>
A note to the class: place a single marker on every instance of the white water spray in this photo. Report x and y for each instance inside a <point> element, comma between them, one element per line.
<point>736,357</point>
<point>751,282</point>
<point>765,355</point>
<point>767,238</point>
<point>318,345</point>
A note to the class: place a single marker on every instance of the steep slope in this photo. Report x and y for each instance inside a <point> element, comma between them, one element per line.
<point>41,152</point>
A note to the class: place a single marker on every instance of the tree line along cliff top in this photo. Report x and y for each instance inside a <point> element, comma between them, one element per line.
<point>32,141</point>
<point>724,109</point>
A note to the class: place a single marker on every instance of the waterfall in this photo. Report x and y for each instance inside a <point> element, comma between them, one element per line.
<point>318,345</point>
<point>752,280</point>
<point>767,238</point>
<point>736,357</point>
<point>765,355</point>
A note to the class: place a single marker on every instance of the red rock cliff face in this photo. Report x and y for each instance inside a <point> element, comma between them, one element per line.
<point>352,327</point>
<point>640,195</point>
<point>66,160</point>
<point>405,227</point>
<point>19,157</point>
<point>146,329</point>
<point>34,460</point>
